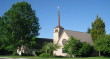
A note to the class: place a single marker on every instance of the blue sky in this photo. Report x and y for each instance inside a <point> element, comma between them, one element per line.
<point>76,15</point>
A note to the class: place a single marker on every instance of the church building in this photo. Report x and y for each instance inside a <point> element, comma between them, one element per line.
<point>60,36</point>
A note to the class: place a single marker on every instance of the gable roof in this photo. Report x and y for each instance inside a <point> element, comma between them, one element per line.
<point>83,37</point>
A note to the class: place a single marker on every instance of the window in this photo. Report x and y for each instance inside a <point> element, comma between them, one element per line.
<point>56,30</point>
<point>64,41</point>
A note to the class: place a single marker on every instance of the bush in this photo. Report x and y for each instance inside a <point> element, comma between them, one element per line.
<point>38,52</point>
<point>85,49</point>
<point>5,52</point>
<point>15,54</point>
<point>44,55</point>
<point>27,54</point>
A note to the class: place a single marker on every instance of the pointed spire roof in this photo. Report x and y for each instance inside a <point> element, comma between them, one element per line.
<point>58,19</point>
<point>58,16</point>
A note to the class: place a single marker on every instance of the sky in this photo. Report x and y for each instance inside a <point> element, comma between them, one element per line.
<point>76,15</point>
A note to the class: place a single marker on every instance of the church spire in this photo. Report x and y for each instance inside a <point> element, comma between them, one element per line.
<point>58,16</point>
<point>59,26</point>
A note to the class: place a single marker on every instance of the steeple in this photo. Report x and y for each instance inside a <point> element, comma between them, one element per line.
<point>58,30</point>
<point>59,26</point>
<point>58,16</point>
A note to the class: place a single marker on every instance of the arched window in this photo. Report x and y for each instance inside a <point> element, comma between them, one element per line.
<point>64,41</point>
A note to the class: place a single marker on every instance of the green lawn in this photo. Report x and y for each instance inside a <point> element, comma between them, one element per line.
<point>30,57</point>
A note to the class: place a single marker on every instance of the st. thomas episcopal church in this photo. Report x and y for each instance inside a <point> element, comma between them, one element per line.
<point>60,36</point>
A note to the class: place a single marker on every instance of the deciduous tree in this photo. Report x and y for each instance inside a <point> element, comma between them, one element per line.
<point>20,26</point>
<point>72,46</point>
<point>50,47</point>
<point>85,49</point>
<point>102,45</point>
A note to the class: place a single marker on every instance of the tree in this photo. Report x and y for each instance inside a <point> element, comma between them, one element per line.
<point>98,33</point>
<point>3,42</point>
<point>20,26</point>
<point>50,47</point>
<point>85,49</point>
<point>0,39</point>
<point>107,45</point>
<point>72,46</point>
<point>99,45</point>
<point>98,28</point>
<point>88,31</point>
<point>102,45</point>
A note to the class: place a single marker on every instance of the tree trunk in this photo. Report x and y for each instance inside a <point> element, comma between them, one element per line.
<point>69,56</point>
<point>99,53</point>
<point>46,50</point>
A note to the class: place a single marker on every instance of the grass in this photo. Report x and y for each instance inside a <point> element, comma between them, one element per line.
<point>36,57</point>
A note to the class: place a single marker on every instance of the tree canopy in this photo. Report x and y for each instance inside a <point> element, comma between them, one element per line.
<point>19,26</point>
<point>50,47</point>
<point>85,49</point>
<point>74,47</point>
<point>98,28</point>
<point>102,45</point>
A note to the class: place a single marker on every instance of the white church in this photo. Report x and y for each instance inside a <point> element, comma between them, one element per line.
<point>60,36</point>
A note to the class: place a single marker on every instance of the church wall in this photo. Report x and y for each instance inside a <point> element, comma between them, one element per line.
<point>55,35</point>
<point>59,52</point>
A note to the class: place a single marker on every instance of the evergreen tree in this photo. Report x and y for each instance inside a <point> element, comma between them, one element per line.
<point>20,26</point>
<point>98,29</point>
<point>88,31</point>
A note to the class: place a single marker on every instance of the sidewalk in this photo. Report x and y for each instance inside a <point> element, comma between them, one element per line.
<point>12,58</point>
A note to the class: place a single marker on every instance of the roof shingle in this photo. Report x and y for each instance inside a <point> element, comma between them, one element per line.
<point>83,37</point>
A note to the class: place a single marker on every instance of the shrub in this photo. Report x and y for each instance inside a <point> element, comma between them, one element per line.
<point>5,52</point>
<point>26,54</point>
<point>38,52</point>
<point>44,55</point>
<point>85,49</point>
<point>15,53</point>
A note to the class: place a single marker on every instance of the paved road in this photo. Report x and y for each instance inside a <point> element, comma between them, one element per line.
<point>12,58</point>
